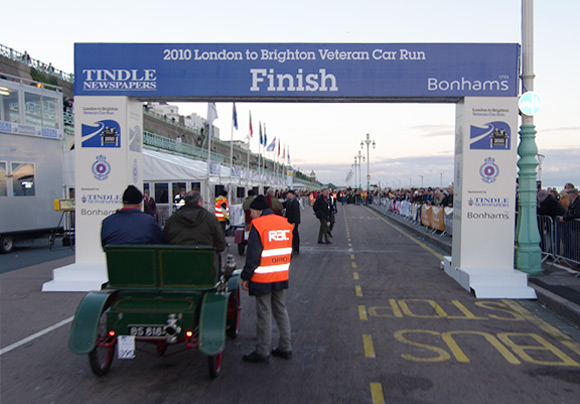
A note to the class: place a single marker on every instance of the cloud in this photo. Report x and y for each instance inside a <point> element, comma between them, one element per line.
<point>562,129</point>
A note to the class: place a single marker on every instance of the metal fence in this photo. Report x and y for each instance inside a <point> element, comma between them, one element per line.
<point>559,241</point>
<point>34,63</point>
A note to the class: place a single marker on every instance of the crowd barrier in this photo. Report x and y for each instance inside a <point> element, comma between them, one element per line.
<point>559,240</point>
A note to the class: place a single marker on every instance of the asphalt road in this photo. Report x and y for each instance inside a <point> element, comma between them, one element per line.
<point>373,318</point>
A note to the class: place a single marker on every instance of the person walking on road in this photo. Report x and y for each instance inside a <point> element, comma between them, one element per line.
<point>292,213</point>
<point>333,211</point>
<point>222,209</point>
<point>265,276</point>
<point>322,211</point>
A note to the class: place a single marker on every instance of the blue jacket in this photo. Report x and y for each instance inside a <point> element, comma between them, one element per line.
<point>130,226</point>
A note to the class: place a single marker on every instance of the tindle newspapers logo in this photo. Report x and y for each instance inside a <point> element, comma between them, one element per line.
<point>119,79</point>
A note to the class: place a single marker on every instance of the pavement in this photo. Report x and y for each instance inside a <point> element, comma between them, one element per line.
<point>557,288</point>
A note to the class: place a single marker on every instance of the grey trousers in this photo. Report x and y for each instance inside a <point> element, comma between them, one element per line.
<point>266,306</point>
<point>323,231</point>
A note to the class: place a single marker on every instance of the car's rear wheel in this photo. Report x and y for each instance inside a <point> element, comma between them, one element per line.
<point>215,364</point>
<point>233,319</point>
<point>101,357</point>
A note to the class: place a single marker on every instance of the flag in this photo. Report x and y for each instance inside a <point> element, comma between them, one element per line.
<point>235,117</point>
<point>279,149</point>
<point>251,130</point>
<point>261,136</point>
<point>265,136</point>
<point>284,154</point>
<point>211,112</point>
<point>289,155</point>
<point>272,146</point>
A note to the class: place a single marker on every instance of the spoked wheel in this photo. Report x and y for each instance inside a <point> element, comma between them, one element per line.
<point>6,244</point>
<point>215,364</point>
<point>101,357</point>
<point>233,319</point>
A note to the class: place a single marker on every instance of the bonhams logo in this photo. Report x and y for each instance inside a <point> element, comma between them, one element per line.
<point>120,79</point>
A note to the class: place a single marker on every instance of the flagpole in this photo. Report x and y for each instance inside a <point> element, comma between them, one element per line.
<point>231,152</point>
<point>248,138</point>
<point>209,160</point>
<point>248,164</point>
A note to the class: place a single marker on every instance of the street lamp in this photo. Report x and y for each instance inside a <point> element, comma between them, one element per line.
<point>360,158</point>
<point>368,141</point>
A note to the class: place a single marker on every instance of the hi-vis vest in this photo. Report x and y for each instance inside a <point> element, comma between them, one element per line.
<point>276,235</point>
<point>219,212</point>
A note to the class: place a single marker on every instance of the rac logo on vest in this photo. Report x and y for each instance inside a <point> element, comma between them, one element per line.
<point>278,235</point>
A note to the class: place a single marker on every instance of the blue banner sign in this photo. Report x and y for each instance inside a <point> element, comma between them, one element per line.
<point>297,71</point>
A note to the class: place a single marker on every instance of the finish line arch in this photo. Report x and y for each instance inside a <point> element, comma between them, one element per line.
<point>112,79</point>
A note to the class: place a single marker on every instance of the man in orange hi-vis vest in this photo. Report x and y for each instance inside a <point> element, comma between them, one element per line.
<point>265,275</point>
<point>222,209</point>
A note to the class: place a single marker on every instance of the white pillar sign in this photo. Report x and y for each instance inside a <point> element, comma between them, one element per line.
<point>108,158</point>
<point>485,199</point>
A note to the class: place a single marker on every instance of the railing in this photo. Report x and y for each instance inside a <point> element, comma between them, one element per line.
<point>37,64</point>
<point>560,241</point>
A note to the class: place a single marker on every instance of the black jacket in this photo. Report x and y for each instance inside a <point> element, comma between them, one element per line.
<point>573,211</point>
<point>551,207</point>
<point>193,225</point>
<point>321,207</point>
<point>292,210</point>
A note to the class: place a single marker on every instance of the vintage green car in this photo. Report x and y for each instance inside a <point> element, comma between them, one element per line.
<point>161,294</point>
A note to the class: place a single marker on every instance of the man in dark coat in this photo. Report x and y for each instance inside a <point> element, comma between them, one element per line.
<point>292,213</point>
<point>548,205</point>
<point>130,225</point>
<point>322,211</point>
<point>193,225</point>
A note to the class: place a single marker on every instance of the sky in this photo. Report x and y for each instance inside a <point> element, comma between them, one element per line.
<point>414,142</point>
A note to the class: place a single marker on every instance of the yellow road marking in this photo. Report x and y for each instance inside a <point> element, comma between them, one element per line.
<point>351,256</point>
<point>358,290</point>
<point>544,326</point>
<point>362,313</point>
<point>377,393</point>
<point>353,264</point>
<point>355,275</point>
<point>432,251</point>
<point>368,344</point>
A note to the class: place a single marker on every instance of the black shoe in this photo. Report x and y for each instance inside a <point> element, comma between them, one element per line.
<point>282,354</point>
<point>329,234</point>
<point>255,357</point>
<point>320,242</point>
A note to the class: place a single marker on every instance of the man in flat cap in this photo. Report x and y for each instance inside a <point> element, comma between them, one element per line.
<point>130,225</point>
<point>192,224</point>
<point>265,275</point>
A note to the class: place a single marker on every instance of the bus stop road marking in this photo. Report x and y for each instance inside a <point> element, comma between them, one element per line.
<point>544,326</point>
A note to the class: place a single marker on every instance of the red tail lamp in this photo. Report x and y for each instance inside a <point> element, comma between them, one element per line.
<point>188,334</point>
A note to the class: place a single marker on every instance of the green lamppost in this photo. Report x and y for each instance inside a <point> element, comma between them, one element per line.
<point>528,253</point>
